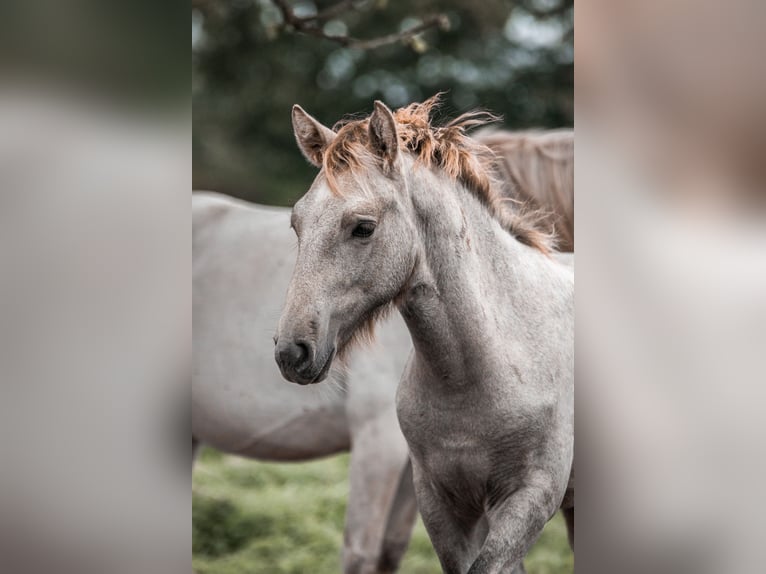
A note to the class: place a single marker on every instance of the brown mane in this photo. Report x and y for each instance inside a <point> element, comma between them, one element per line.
<point>447,147</point>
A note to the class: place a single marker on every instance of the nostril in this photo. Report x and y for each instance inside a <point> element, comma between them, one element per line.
<point>294,354</point>
<point>302,352</point>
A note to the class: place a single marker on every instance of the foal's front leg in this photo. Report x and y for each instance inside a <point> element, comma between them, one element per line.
<point>447,534</point>
<point>514,525</point>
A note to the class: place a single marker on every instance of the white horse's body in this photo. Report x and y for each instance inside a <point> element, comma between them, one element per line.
<point>243,258</point>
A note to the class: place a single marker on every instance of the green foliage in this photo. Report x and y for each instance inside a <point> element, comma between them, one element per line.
<point>264,518</point>
<point>130,54</point>
<point>551,554</point>
<point>514,58</point>
<point>219,527</point>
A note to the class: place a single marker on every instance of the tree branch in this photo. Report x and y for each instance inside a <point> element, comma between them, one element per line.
<point>310,26</point>
<point>437,21</point>
<point>334,10</point>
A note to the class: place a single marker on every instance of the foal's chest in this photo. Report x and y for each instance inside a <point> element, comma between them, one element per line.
<point>470,449</point>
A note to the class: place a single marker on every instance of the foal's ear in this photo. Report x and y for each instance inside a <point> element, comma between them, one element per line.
<point>383,139</point>
<point>312,137</point>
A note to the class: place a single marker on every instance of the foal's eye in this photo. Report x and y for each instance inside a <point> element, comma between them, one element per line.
<point>364,229</point>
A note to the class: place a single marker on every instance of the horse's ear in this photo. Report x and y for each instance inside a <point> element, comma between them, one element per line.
<point>312,137</point>
<point>383,139</point>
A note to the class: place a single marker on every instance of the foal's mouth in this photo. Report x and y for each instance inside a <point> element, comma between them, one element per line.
<point>322,374</point>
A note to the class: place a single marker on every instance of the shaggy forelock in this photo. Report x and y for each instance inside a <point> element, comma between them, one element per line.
<point>448,148</point>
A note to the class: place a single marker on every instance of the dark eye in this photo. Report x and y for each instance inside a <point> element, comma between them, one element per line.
<point>364,229</point>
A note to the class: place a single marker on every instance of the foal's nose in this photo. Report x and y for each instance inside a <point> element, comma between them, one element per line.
<point>293,354</point>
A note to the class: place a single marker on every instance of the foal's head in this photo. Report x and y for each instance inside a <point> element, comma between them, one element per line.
<point>358,233</point>
<point>355,242</point>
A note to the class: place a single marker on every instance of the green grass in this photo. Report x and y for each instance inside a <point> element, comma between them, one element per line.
<point>264,518</point>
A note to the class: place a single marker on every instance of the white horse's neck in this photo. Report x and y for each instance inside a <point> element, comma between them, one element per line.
<point>475,291</point>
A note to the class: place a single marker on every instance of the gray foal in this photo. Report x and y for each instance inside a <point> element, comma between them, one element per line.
<point>406,214</point>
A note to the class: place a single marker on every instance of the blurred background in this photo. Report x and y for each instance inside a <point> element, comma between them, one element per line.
<point>249,66</point>
<point>251,61</point>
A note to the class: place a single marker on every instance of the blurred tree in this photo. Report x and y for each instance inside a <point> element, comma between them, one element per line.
<point>126,54</point>
<point>250,65</point>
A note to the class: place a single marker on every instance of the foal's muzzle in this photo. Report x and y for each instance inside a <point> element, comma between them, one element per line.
<point>298,361</point>
<point>293,355</point>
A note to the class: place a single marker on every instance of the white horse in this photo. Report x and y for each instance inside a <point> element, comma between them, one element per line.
<point>242,259</point>
<point>406,214</point>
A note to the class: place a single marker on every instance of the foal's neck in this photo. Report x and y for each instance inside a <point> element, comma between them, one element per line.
<point>466,303</point>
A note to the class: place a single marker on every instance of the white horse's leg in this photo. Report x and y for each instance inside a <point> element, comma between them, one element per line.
<point>378,459</point>
<point>401,520</point>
